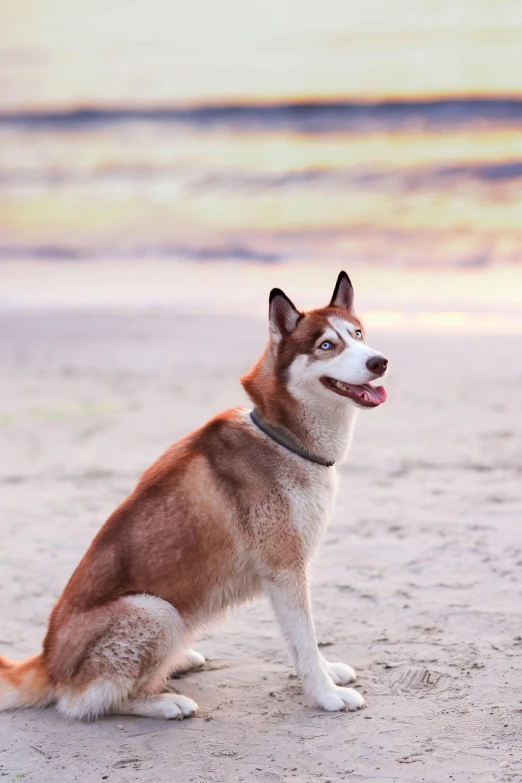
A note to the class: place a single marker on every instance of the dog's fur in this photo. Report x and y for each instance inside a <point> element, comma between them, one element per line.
<point>224,514</point>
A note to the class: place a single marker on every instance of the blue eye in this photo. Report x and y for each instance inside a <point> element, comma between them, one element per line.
<point>326,345</point>
<point>358,334</point>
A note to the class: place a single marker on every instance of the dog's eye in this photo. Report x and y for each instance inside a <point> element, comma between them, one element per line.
<point>326,346</point>
<point>358,334</point>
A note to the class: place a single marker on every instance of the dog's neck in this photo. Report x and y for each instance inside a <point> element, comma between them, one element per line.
<point>325,430</point>
<point>319,426</point>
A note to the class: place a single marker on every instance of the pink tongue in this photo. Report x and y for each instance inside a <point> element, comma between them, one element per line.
<point>377,394</point>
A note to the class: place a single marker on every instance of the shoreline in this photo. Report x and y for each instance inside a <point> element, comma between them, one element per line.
<point>461,301</point>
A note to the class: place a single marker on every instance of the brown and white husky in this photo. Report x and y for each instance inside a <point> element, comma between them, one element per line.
<point>233,509</point>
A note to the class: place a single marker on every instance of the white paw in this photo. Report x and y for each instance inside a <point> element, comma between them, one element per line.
<point>173,706</point>
<point>340,673</point>
<point>193,658</point>
<point>340,699</point>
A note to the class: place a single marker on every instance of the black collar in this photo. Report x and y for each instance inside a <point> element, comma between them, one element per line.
<point>286,440</point>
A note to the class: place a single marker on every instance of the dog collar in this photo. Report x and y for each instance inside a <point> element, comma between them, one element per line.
<point>286,440</point>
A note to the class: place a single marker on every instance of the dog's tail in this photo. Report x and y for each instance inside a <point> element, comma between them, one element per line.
<point>24,684</point>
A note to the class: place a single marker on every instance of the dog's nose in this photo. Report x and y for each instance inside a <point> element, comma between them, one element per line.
<point>377,364</point>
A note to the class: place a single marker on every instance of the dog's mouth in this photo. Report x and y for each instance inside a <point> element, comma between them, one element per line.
<point>363,394</point>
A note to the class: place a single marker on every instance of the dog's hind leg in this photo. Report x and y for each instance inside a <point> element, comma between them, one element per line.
<point>186,661</point>
<point>117,658</point>
<point>167,706</point>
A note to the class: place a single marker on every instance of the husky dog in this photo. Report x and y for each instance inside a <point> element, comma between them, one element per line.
<point>235,508</point>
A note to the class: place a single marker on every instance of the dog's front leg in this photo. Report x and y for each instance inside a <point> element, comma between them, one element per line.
<point>289,594</point>
<point>341,673</point>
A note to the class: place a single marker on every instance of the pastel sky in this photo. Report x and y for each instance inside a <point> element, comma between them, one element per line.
<point>70,52</point>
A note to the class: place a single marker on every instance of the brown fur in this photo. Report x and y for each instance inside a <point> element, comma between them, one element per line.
<point>151,542</point>
<point>28,680</point>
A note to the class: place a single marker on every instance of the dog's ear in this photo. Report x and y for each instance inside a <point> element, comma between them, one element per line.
<point>343,292</point>
<point>282,315</point>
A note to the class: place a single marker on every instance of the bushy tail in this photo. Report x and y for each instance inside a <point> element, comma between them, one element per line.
<point>24,684</point>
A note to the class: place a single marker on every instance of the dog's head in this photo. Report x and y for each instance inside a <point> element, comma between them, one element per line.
<point>323,353</point>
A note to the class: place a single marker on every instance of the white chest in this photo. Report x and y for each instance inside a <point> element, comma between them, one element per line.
<point>311,503</point>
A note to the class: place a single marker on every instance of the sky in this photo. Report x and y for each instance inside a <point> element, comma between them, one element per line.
<point>62,53</point>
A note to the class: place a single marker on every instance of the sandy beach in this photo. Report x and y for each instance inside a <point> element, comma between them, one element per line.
<point>418,583</point>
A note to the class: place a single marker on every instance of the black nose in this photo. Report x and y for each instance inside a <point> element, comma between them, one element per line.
<point>377,364</point>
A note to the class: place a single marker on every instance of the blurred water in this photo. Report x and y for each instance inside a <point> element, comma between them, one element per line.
<point>418,183</point>
<point>262,131</point>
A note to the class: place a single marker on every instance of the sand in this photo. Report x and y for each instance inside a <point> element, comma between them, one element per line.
<point>418,583</point>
